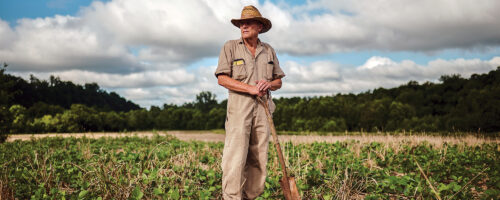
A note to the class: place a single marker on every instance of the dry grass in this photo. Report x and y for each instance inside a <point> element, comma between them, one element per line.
<point>436,141</point>
<point>80,135</point>
<point>5,191</point>
<point>208,136</point>
<point>104,175</point>
<point>350,187</point>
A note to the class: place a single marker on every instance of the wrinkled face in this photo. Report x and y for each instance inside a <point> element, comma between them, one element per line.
<point>250,28</point>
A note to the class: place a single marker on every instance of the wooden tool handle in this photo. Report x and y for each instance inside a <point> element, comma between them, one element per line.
<point>288,184</point>
<point>275,136</point>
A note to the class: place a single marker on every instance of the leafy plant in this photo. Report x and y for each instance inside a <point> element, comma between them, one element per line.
<point>163,167</point>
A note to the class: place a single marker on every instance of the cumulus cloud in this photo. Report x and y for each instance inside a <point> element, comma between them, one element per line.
<point>149,87</point>
<point>7,35</point>
<point>115,81</point>
<point>317,78</point>
<point>326,26</point>
<point>62,42</point>
<point>316,71</point>
<point>376,61</point>
<point>120,36</point>
<point>324,78</point>
<point>157,96</point>
<point>204,80</point>
<point>142,49</point>
<point>175,30</point>
<point>375,72</point>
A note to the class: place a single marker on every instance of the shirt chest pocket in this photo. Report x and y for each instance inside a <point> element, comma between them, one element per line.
<point>268,74</point>
<point>239,71</point>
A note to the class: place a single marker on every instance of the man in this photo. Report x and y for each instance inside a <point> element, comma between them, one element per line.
<point>248,68</point>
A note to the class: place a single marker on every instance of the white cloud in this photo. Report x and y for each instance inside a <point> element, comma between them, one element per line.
<point>204,80</point>
<point>317,71</point>
<point>376,72</point>
<point>317,78</point>
<point>376,61</point>
<point>327,78</point>
<point>176,30</point>
<point>326,26</point>
<point>62,43</point>
<point>143,48</point>
<point>121,35</point>
<point>7,35</point>
<point>132,80</point>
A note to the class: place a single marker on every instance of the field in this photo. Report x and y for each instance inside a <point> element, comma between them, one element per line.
<point>160,166</point>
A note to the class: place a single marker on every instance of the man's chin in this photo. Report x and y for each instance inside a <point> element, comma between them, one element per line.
<point>246,36</point>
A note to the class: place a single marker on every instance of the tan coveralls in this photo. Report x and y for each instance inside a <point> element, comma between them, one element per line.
<point>247,131</point>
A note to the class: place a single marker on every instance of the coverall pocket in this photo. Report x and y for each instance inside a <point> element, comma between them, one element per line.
<point>239,72</point>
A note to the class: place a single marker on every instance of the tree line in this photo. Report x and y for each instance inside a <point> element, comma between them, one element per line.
<point>454,104</point>
<point>16,90</point>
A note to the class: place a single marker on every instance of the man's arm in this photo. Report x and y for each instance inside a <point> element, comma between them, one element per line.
<point>264,85</point>
<point>275,84</point>
<point>234,85</point>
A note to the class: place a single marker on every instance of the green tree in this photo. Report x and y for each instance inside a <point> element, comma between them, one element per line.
<point>398,113</point>
<point>5,96</point>
<point>205,101</point>
<point>47,123</point>
<point>112,121</point>
<point>20,120</point>
<point>375,114</point>
<point>334,125</point>
<point>216,118</point>
<point>139,120</point>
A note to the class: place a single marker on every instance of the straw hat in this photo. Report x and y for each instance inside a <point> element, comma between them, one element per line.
<point>251,13</point>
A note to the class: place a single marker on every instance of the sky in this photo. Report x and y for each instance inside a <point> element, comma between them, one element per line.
<point>155,52</point>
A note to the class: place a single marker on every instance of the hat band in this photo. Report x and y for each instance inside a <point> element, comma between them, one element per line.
<point>248,16</point>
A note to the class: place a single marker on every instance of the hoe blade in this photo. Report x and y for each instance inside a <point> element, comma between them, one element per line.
<point>289,187</point>
<point>294,192</point>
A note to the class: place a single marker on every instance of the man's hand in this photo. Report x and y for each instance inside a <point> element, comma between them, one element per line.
<point>254,90</point>
<point>263,85</point>
<point>234,85</point>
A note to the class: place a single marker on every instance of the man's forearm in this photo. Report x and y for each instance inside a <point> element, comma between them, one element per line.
<point>275,84</point>
<point>236,86</point>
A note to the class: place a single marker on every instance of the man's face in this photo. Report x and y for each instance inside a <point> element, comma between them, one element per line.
<point>250,28</point>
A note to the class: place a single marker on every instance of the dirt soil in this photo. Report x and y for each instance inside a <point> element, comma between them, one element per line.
<point>208,136</point>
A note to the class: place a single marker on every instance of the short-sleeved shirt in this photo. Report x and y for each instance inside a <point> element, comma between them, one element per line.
<point>236,61</point>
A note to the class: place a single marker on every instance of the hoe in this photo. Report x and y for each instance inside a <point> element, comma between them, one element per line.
<point>288,185</point>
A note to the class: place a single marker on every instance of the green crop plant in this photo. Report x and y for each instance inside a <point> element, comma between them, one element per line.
<point>163,167</point>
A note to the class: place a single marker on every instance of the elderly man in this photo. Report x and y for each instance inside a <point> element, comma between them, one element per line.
<point>248,68</point>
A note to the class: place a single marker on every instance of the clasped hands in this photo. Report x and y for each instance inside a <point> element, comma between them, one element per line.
<point>261,88</point>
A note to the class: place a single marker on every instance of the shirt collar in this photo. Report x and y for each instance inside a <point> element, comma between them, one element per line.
<point>258,42</point>
<point>260,46</point>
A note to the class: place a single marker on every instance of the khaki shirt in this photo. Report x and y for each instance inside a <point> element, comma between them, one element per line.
<point>236,61</point>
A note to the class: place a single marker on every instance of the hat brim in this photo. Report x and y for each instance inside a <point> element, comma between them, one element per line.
<point>265,22</point>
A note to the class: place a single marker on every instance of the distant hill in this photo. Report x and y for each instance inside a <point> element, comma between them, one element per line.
<point>15,90</point>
